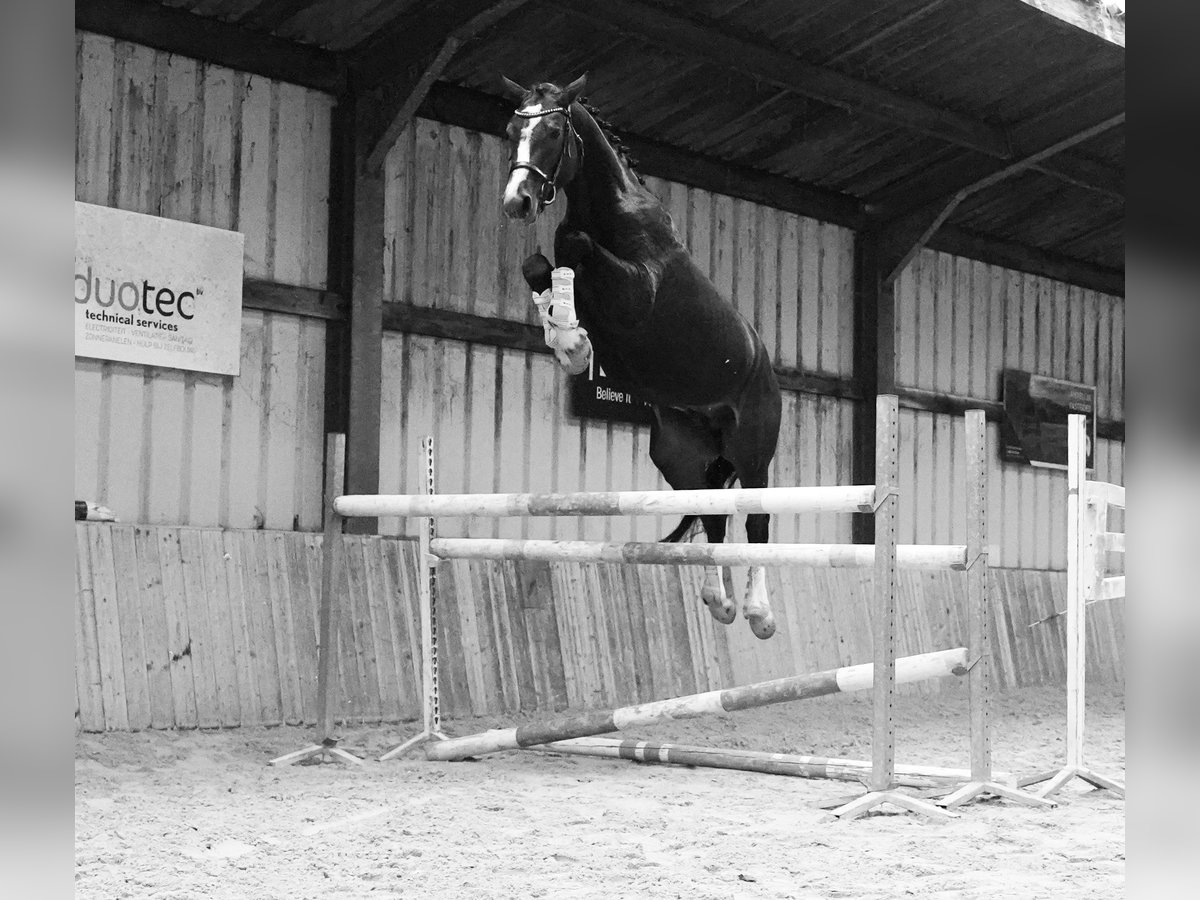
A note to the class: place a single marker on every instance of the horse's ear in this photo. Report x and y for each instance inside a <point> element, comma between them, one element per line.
<point>574,89</point>
<point>512,90</point>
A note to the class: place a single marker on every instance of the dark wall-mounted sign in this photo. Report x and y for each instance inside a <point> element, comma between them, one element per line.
<point>596,396</point>
<point>1034,430</point>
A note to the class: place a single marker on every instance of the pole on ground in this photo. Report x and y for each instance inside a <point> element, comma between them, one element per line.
<point>331,558</point>
<point>427,600</point>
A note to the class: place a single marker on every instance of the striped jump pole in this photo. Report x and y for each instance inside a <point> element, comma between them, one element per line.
<point>791,764</point>
<point>781,690</point>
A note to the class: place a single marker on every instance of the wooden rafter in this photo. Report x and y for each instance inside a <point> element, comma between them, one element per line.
<point>693,39</point>
<point>401,62</point>
<point>905,234</point>
<point>1087,15</point>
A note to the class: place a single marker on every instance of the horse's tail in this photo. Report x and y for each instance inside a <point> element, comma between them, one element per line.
<point>719,474</point>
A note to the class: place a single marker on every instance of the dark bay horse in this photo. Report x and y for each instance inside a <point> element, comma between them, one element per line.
<point>654,319</point>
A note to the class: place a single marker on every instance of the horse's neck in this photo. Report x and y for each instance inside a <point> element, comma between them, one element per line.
<point>607,201</point>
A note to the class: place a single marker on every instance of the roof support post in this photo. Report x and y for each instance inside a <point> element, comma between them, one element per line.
<point>365,375</point>
<point>874,358</point>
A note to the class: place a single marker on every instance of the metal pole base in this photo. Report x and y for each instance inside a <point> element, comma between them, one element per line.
<point>869,801</point>
<point>326,751</point>
<point>1056,780</point>
<point>973,790</point>
<point>423,738</point>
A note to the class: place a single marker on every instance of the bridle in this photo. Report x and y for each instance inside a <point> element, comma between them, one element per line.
<point>571,140</point>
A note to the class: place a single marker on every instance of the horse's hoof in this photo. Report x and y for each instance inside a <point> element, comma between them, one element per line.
<point>720,606</point>
<point>762,626</point>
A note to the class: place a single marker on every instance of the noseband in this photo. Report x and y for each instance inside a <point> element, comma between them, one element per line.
<point>571,141</point>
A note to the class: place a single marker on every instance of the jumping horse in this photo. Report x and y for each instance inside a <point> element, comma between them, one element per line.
<point>655,320</point>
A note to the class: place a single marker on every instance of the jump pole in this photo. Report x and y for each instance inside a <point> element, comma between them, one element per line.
<point>790,764</point>
<point>331,570</point>
<point>1087,533</point>
<point>780,690</point>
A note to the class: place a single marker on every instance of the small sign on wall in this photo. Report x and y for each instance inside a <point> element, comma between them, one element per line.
<point>157,291</point>
<point>596,396</point>
<point>1034,430</point>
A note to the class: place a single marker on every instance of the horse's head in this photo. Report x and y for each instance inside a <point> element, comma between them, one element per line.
<point>546,148</point>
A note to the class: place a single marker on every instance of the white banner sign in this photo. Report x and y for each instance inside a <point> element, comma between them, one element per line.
<point>157,291</point>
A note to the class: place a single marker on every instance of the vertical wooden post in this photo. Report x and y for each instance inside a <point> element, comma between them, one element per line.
<point>366,332</point>
<point>979,643</point>
<point>883,741</point>
<point>874,362</point>
<point>331,557</point>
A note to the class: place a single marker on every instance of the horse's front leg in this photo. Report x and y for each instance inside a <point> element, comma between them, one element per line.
<point>628,288</point>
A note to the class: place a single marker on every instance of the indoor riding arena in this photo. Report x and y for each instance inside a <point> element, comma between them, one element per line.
<point>407,331</point>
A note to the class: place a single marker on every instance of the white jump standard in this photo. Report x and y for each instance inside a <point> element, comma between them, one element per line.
<point>1088,540</point>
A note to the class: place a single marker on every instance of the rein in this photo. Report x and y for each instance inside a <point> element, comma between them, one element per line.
<point>549,189</point>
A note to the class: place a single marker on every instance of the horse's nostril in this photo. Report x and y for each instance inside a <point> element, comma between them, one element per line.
<point>526,205</point>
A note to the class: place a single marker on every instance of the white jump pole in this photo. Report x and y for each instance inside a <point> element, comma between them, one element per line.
<point>1087,517</point>
<point>776,500</point>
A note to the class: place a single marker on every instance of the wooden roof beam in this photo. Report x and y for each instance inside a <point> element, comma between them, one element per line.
<point>713,42</point>
<point>1087,15</point>
<point>904,235</point>
<point>402,60</point>
<point>1039,142</point>
<point>178,31</point>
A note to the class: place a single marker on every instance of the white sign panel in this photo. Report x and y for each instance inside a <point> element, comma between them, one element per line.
<point>156,291</point>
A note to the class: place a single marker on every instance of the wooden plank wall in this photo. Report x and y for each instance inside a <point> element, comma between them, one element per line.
<point>449,247</point>
<point>960,323</point>
<point>168,136</point>
<point>188,627</point>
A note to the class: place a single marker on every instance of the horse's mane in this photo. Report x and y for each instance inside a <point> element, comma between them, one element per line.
<point>610,135</point>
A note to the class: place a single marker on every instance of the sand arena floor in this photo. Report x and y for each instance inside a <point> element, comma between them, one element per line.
<point>201,815</point>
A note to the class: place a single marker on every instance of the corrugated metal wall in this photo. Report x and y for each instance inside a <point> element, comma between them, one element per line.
<point>960,323</point>
<point>168,136</point>
<point>500,416</point>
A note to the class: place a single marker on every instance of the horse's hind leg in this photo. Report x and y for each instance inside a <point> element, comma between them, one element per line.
<point>751,447</point>
<point>687,454</point>
<point>757,606</point>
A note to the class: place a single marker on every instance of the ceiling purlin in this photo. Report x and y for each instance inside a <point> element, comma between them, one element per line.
<point>686,37</point>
